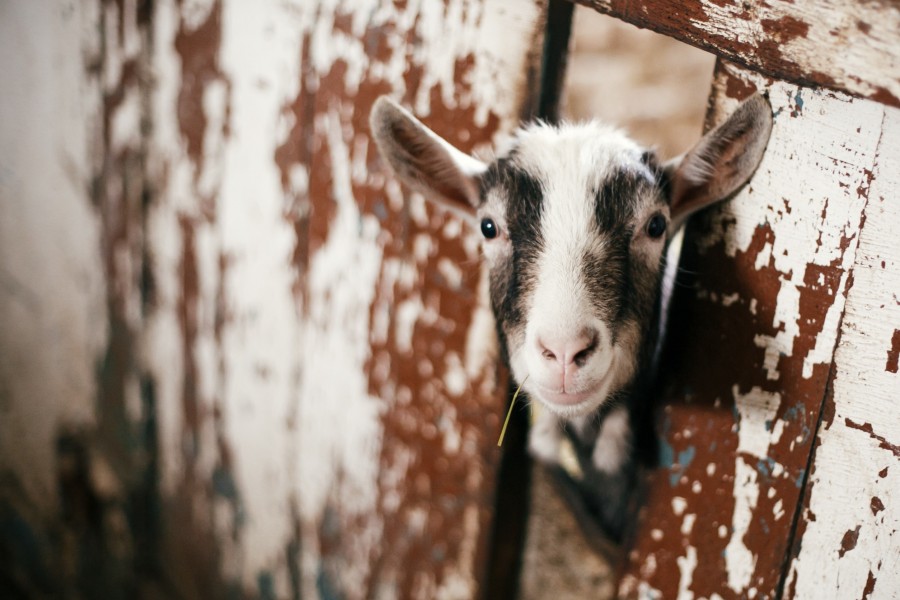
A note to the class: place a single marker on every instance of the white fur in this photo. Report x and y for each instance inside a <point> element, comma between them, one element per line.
<point>545,436</point>
<point>613,443</point>
<point>571,163</point>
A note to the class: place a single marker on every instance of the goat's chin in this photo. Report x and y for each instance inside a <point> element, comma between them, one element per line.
<point>573,405</point>
<point>588,398</point>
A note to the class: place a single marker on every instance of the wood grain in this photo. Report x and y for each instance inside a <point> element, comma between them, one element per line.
<point>840,45</point>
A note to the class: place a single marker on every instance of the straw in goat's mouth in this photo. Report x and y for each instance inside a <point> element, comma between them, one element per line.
<point>509,412</point>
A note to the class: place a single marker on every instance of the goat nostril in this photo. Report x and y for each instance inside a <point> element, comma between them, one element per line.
<point>581,358</point>
<point>574,350</point>
<point>582,355</point>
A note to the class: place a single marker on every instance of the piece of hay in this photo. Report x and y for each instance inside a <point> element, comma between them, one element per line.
<point>509,412</point>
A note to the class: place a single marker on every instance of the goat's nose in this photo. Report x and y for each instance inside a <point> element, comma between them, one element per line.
<point>568,350</point>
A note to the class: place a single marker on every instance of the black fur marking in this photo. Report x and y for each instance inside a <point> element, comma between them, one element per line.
<point>524,205</point>
<point>615,202</point>
<point>606,278</point>
<point>658,171</point>
<point>617,285</point>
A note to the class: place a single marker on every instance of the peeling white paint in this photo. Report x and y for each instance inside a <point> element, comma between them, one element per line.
<point>405,318</point>
<point>249,373</point>
<point>451,272</point>
<point>826,190</point>
<point>455,378</point>
<point>482,348</point>
<point>687,525</point>
<point>777,509</point>
<point>686,566</point>
<point>340,431</point>
<point>740,562</point>
<point>832,24</point>
<point>856,478</point>
<point>756,409</point>
<point>298,411</point>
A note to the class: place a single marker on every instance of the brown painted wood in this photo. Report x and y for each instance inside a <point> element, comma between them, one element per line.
<point>753,327</point>
<point>331,419</point>
<point>843,45</point>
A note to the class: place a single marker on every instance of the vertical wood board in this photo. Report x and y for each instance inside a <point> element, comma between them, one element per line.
<point>848,539</point>
<point>53,286</point>
<point>324,358</point>
<point>751,335</point>
<point>74,413</point>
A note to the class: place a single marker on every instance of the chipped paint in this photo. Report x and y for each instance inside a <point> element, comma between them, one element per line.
<point>803,247</point>
<point>849,544</point>
<point>773,267</point>
<point>75,407</point>
<point>340,346</point>
<point>786,40</point>
<point>686,565</point>
<point>756,410</point>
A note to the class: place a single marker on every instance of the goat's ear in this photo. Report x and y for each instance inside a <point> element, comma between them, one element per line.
<point>424,160</point>
<point>722,161</point>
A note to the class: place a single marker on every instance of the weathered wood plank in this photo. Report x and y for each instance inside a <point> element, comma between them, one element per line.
<point>72,412</point>
<point>325,362</point>
<point>52,290</point>
<point>848,540</point>
<point>412,487</point>
<point>853,47</point>
<point>750,349</point>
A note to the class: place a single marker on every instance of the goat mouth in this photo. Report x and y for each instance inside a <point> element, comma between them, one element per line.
<point>567,399</point>
<point>573,403</point>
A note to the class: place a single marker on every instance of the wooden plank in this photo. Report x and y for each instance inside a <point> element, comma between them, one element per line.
<point>324,358</point>
<point>53,283</point>
<point>837,44</point>
<point>74,471</point>
<point>769,273</point>
<point>848,540</point>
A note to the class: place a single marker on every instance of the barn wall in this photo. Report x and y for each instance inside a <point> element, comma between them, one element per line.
<point>848,539</point>
<point>74,426</point>
<point>261,366</point>
<point>53,282</point>
<point>766,279</point>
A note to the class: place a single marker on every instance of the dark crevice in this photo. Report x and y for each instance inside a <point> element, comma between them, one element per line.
<point>556,55</point>
<point>511,510</point>
<point>513,491</point>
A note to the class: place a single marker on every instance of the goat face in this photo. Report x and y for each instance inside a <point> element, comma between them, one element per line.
<point>575,220</point>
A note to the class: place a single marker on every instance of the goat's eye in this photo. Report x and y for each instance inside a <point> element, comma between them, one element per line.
<point>656,226</point>
<point>489,229</point>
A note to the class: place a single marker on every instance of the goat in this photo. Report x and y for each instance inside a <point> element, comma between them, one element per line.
<point>576,219</point>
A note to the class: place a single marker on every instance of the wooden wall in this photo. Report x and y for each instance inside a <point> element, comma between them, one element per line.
<point>238,359</point>
<point>741,505</point>
<point>778,447</point>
